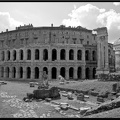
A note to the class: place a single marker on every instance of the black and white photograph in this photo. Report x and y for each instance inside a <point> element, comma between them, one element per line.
<point>59,59</point>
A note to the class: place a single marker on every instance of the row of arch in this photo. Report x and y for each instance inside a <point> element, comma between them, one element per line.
<point>5,72</point>
<point>45,55</point>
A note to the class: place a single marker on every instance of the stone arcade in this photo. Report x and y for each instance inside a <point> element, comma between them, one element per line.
<point>74,53</point>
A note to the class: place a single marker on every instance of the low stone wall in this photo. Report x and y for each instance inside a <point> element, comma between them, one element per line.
<point>104,107</point>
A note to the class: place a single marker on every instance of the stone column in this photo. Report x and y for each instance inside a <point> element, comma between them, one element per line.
<point>40,74</point>
<point>49,72</point>
<point>83,72</point>
<point>58,55</point>
<point>83,54</point>
<point>75,54</point>
<point>67,54</point>
<point>24,73</point>
<point>17,73</point>
<point>10,73</point>
<point>17,54</point>
<point>58,71</point>
<point>32,73</point>
<point>24,54</point>
<point>11,55</point>
<point>32,54</point>
<point>75,72</point>
<point>67,73</point>
<point>41,54</point>
<point>5,55</point>
<point>106,53</point>
<point>49,54</point>
<point>4,72</point>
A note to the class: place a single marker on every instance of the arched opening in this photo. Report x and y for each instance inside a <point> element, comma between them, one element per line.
<point>94,72</point>
<point>2,71</point>
<point>71,73</point>
<point>94,55</point>
<point>28,54</point>
<point>87,73</point>
<point>79,73</point>
<point>21,72</point>
<point>28,72</point>
<point>8,55</point>
<point>36,73</point>
<point>71,54</point>
<point>62,54</point>
<point>45,54</point>
<point>7,72</point>
<point>36,54</point>
<point>87,55</point>
<point>14,55</point>
<point>45,69</point>
<point>79,55</point>
<point>54,54</point>
<point>54,73</point>
<point>2,55</point>
<point>62,72</point>
<point>13,72</point>
<point>21,54</point>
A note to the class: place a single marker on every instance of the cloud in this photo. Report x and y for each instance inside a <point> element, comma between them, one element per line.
<point>7,22</point>
<point>91,17</point>
<point>116,3</point>
<point>81,15</point>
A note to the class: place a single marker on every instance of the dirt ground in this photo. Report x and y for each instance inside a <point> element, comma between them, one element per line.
<point>10,109</point>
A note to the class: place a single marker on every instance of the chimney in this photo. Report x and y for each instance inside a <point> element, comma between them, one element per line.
<point>6,30</point>
<point>51,25</point>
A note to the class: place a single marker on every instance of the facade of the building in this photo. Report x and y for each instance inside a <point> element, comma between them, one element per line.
<point>111,57</point>
<point>117,54</point>
<point>75,53</point>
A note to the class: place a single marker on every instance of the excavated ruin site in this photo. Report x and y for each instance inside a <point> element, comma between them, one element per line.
<point>78,99</point>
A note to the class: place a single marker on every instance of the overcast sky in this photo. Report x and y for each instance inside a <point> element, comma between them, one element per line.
<point>86,14</point>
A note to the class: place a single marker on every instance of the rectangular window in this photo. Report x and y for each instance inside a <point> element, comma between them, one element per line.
<point>26,41</point>
<point>81,40</point>
<point>22,40</point>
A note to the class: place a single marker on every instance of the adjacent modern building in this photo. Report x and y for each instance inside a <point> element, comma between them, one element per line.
<point>75,53</point>
<point>111,57</point>
<point>117,54</point>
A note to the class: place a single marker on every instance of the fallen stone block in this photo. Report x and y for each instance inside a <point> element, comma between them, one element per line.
<point>84,109</point>
<point>93,93</point>
<point>54,102</point>
<point>32,84</point>
<point>117,95</point>
<point>64,107</point>
<point>73,108</point>
<point>65,95</point>
<point>100,99</point>
<point>81,98</point>
<point>48,99</point>
<point>86,96</point>
<point>62,83</point>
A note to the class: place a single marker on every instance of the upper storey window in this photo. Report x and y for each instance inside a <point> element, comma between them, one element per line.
<point>71,54</point>
<point>28,54</point>
<point>87,55</point>
<point>21,54</point>
<point>36,54</point>
<point>45,54</point>
<point>54,54</point>
<point>14,55</point>
<point>62,54</point>
<point>2,55</point>
<point>79,55</point>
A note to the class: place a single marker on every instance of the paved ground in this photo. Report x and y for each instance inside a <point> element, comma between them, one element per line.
<point>12,106</point>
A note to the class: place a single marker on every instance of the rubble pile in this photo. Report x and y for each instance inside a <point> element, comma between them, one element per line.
<point>26,109</point>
